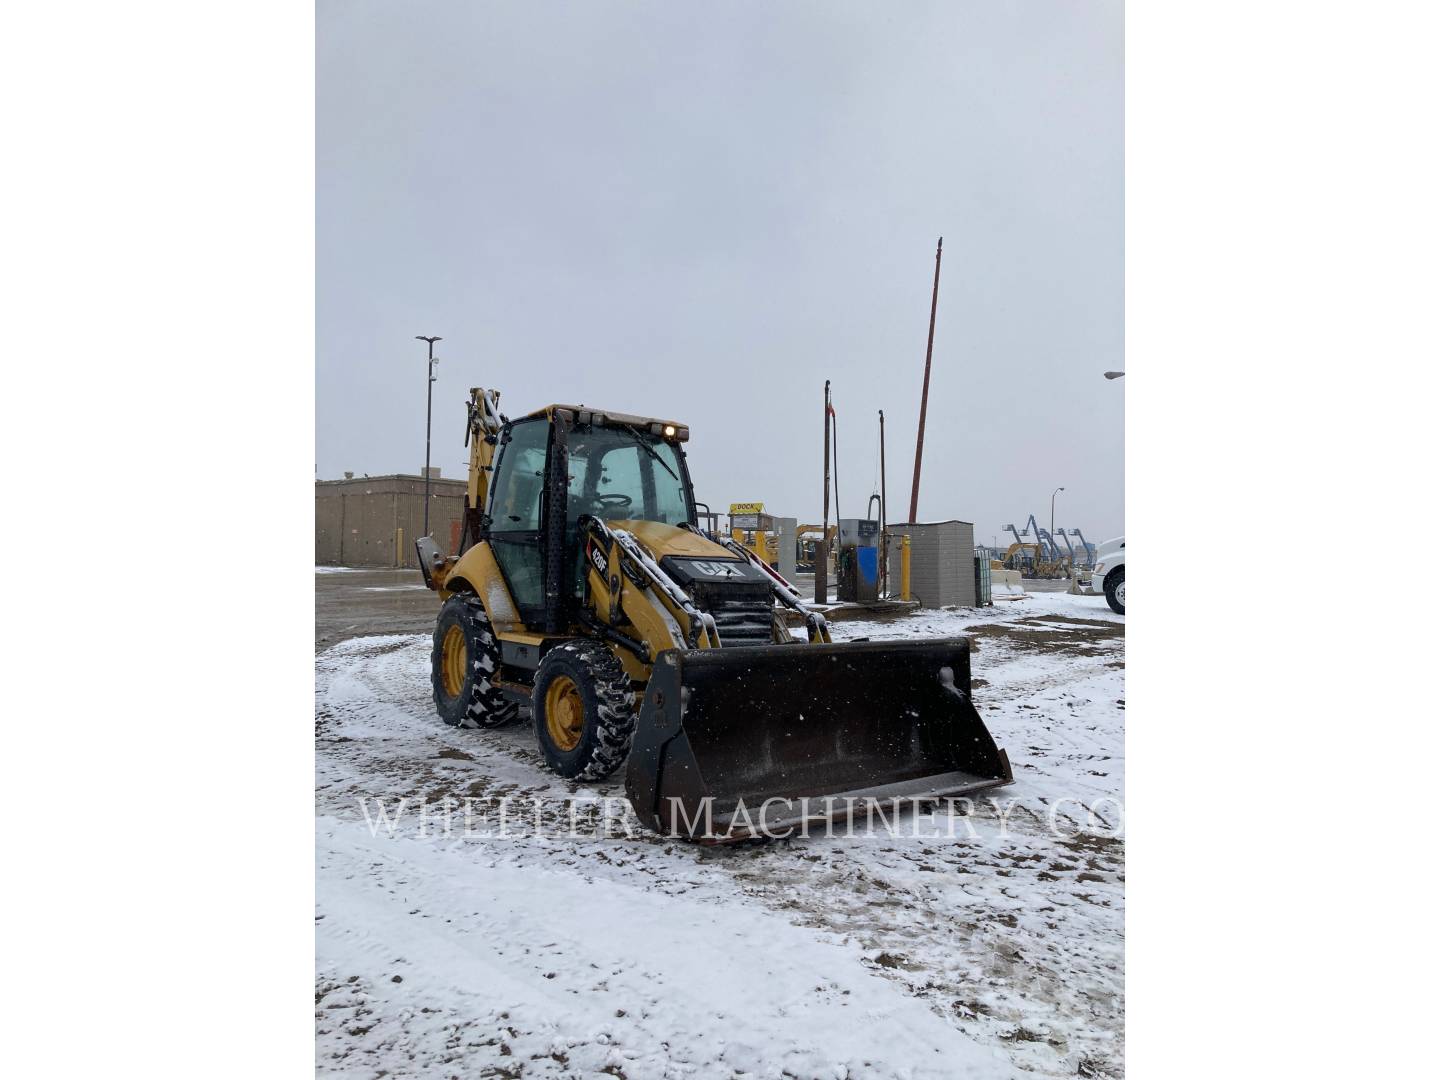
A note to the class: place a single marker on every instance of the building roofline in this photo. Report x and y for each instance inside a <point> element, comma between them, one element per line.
<point>393,476</point>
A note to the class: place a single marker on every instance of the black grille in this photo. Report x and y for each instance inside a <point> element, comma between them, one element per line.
<point>737,594</point>
<point>741,622</point>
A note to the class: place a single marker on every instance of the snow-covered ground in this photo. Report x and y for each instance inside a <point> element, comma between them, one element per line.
<point>997,951</point>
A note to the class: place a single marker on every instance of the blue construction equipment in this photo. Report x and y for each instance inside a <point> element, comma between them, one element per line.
<point>1069,548</point>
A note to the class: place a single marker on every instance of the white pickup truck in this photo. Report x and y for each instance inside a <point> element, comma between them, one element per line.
<point>1108,577</point>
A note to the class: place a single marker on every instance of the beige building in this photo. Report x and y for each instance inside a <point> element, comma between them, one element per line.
<point>374,520</point>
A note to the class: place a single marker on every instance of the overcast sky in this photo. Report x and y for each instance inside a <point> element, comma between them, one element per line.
<point>702,211</point>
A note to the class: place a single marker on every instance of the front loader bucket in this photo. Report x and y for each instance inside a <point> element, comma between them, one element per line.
<point>770,738</point>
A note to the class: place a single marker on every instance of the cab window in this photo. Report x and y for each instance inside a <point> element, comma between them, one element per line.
<point>515,512</point>
<point>618,474</point>
<point>515,503</point>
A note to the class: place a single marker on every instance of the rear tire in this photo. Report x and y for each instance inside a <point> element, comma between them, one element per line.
<point>1115,591</point>
<point>464,663</point>
<point>584,710</point>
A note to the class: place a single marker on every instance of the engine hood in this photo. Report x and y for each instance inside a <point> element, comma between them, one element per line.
<point>1109,548</point>
<point>662,541</point>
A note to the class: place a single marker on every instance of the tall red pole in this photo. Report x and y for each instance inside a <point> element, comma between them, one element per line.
<point>925,391</point>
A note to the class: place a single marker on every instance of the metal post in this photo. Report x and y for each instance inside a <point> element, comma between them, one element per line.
<point>1052,516</point>
<point>429,393</point>
<point>925,389</point>
<point>822,553</point>
<point>884,531</point>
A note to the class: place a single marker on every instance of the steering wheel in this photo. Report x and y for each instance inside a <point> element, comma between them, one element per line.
<point>614,501</point>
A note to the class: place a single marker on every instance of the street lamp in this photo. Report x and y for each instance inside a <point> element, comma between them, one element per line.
<point>429,393</point>
<point>1052,510</point>
<point>1114,374</point>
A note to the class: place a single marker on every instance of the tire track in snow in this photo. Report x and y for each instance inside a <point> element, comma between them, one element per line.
<point>438,962</point>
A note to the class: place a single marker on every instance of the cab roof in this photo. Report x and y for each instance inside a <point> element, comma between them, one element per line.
<point>588,414</point>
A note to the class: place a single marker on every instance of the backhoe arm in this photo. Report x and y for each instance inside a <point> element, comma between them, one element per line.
<point>482,427</point>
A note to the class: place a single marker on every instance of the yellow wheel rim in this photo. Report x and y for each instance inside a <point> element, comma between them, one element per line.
<point>452,661</point>
<point>564,713</point>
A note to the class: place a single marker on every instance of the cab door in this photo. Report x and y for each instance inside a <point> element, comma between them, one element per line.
<point>515,500</point>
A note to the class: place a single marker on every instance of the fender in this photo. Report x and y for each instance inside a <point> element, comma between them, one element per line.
<point>477,571</point>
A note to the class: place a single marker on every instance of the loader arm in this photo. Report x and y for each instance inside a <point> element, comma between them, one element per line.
<point>816,628</point>
<point>624,585</point>
<point>802,732</point>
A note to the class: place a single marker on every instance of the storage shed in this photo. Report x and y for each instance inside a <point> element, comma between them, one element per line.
<point>942,562</point>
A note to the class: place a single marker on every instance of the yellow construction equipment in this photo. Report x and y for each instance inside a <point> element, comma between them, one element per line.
<point>807,548</point>
<point>1033,561</point>
<point>754,530</point>
<point>584,591</point>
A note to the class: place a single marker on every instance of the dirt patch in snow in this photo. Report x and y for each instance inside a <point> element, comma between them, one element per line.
<point>1047,634</point>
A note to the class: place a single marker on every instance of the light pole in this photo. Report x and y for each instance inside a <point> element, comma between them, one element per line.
<point>429,393</point>
<point>1052,510</point>
<point>1114,374</point>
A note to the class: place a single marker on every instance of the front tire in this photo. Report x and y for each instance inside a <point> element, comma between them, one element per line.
<point>1115,591</point>
<point>584,710</point>
<point>464,663</point>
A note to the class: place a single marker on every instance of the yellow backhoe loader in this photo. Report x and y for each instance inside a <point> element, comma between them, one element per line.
<point>1033,561</point>
<point>584,590</point>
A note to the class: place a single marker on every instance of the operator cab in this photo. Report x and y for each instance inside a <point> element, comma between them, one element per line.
<point>617,468</point>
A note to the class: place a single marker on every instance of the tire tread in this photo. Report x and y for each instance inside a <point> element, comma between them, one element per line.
<point>488,706</point>
<point>614,702</point>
